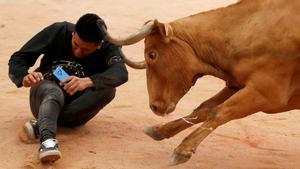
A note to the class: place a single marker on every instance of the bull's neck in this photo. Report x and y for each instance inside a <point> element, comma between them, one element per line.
<point>210,34</point>
<point>209,50</point>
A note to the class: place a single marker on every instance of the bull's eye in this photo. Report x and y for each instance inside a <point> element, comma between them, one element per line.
<point>152,55</point>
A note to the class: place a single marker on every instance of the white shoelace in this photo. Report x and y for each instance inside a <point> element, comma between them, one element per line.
<point>50,143</point>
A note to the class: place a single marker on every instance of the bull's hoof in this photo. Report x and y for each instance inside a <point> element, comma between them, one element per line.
<point>153,133</point>
<point>178,159</point>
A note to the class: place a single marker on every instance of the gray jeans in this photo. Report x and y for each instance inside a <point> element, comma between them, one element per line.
<point>52,107</point>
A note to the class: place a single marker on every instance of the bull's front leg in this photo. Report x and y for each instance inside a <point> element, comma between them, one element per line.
<point>162,131</point>
<point>243,103</point>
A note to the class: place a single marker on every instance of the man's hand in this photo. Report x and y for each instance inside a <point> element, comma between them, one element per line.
<point>32,79</point>
<point>72,84</point>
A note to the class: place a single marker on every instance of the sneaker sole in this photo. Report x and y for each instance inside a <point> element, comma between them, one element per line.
<point>50,156</point>
<point>29,131</point>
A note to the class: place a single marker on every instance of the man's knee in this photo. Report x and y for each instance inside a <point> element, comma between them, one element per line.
<point>54,94</point>
<point>46,91</point>
<point>109,94</point>
<point>103,96</point>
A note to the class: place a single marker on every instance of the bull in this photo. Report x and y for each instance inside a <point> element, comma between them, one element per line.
<point>253,45</point>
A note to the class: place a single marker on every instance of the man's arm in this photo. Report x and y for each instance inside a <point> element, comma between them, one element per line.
<point>22,60</point>
<point>115,75</point>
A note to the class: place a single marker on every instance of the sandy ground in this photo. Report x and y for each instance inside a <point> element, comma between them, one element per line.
<point>114,139</point>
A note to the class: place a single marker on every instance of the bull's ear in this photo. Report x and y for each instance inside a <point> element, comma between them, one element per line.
<point>165,29</point>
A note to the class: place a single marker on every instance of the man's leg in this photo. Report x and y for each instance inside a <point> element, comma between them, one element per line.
<point>85,107</point>
<point>46,102</point>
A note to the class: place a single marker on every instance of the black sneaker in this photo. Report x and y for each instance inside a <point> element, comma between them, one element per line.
<point>32,129</point>
<point>49,151</point>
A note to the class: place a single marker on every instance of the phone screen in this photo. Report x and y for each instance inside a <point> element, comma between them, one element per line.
<point>60,74</point>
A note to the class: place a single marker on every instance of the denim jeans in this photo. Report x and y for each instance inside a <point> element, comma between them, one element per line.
<point>52,107</point>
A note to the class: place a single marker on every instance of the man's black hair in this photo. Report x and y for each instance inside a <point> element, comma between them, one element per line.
<point>87,29</point>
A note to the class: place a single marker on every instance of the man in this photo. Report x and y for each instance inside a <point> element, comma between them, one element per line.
<point>95,68</point>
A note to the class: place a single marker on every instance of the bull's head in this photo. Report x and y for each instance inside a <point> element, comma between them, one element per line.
<point>169,69</point>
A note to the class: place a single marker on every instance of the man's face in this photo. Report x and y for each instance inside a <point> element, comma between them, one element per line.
<point>82,48</point>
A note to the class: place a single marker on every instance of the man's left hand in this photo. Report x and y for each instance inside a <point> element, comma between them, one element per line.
<point>72,84</point>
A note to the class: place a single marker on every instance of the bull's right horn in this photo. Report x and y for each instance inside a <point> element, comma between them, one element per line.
<point>131,39</point>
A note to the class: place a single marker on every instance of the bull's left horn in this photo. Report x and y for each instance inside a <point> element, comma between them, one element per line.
<point>133,64</point>
<point>131,39</point>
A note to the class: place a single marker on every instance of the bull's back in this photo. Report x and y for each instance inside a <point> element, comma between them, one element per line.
<point>273,28</point>
<point>264,47</point>
<point>250,27</point>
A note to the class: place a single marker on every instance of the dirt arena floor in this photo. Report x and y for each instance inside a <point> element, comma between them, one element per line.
<point>114,138</point>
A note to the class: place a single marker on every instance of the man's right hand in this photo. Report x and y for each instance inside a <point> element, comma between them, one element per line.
<point>32,79</point>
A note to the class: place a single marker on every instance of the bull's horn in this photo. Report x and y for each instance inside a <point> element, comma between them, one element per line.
<point>133,64</point>
<point>131,39</point>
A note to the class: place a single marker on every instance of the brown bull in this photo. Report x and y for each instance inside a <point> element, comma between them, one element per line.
<point>253,45</point>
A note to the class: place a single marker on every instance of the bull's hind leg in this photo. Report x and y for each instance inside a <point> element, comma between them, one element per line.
<point>245,102</point>
<point>160,132</point>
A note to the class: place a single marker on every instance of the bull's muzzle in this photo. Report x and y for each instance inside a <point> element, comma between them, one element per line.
<point>162,109</point>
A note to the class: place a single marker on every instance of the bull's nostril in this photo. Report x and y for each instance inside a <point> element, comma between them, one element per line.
<point>153,108</point>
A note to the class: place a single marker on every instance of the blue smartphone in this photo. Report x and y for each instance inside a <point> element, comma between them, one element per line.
<point>60,74</point>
